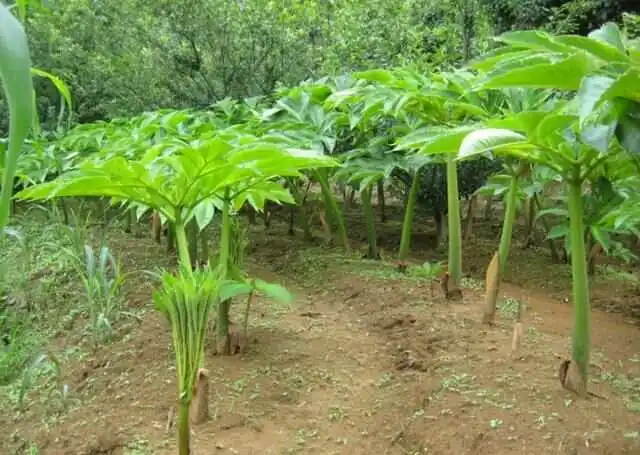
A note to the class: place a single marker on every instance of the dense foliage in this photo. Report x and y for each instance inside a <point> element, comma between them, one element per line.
<point>193,112</point>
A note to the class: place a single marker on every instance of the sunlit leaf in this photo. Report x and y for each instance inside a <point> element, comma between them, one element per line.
<point>489,139</point>
<point>609,33</point>
<point>566,74</point>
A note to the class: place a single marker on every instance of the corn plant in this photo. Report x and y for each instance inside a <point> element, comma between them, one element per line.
<point>102,281</point>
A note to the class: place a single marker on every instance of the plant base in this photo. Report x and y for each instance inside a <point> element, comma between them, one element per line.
<point>516,340</point>
<point>199,412</point>
<point>450,292</point>
<point>492,286</point>
<point>571,379</point>
<point>234,343</point>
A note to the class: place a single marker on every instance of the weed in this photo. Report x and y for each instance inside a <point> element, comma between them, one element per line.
<point>471,283</point>
<point>47,366</point>
<point>336,413</point>
<point>18,342</point>
<point>15,269</point>
<point>509,307</point>
<point>138,447</point>
<point>494,424</point>
<point>429,270</point>
<point>385,381</point>
<point>456,383</point>
<point>628,387</point>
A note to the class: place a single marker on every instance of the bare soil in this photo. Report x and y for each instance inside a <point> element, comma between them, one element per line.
<point>365,362</point>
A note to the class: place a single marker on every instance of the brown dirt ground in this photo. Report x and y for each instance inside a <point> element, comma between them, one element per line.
<point>364,362</point>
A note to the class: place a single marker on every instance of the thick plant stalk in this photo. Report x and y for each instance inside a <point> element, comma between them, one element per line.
<point>372,251</point>
<point>156,227</point>
<point>128,221</point>
<point>222,322</point>
<point>530,219</point>
<point>184,438</point>
<point>171,237</point>
<point>199,411</point>
<point>468,221</point>
<point>407,222</point>
<point>381,201</point>
<point>192,233</point>
<point>492,287</point>
<point>507,224</point>
<point>183,245</point>
<point>581,307</point>
<point>304,219</point>
<point>455,241</point>
<point>204,247</point>
<point>488,208</point>
<point>331,207</point>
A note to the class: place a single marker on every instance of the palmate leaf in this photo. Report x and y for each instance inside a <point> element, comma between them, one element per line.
<point>15,75</point>
<point>187,177</point>
<point>523,122</point>
<point>591,92</point>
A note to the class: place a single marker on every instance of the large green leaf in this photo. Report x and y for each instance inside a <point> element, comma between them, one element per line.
<point>627,86</point>
<point>591,92</point>
<point>187,176</point>
<point>15,74</point>
<point>565,74</point>
<point>533,39</point>
<point>628,129</point>
<point>600,49</point>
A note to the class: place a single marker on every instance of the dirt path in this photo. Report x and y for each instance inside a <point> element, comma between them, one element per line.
<point>359,365</point>
<point>555,316</point>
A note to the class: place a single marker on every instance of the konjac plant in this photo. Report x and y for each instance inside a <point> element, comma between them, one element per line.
<point>558,141</point>
<point>221,170</point>
<point>599,74</point>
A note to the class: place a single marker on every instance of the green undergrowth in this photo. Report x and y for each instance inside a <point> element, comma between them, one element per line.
<point>42,297</point>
